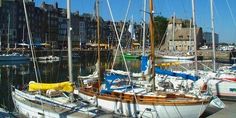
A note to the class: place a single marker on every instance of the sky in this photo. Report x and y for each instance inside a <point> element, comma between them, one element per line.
<point>224,12</point>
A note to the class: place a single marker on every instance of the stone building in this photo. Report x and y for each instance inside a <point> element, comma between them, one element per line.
<point>180,36</point>
<point>12,16</point>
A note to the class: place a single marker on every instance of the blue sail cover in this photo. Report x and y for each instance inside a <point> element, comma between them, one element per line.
<point>233,68</point>
<point>144,63</point>
<point>170,73</point>
<point>109,81</point>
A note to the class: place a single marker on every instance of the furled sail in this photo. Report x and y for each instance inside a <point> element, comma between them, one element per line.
<point>175,74</point>
<point>63,86</point>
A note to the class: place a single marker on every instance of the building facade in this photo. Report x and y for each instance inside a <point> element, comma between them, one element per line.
<point>207,36</point>
<point>48,24</point>
<point>179,36</point>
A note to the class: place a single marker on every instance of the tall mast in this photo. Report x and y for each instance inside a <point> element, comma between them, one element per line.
<point>98,36</point>
<point>144,25</point>
<point>31,42</point>
<point>151,28</point>
<point>194,36</point>
<point>190,35</point>
<point>8,32</point>
<point>23,36</point>
<point>69,40</point>
<point>213,36</point>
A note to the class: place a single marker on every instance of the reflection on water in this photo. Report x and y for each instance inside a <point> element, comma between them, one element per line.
<point>20,73</point>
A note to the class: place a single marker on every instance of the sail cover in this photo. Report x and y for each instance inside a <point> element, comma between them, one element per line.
<point>63,86</point>
<point>233,68</point>
<point>144,63</point>
<point>170,73</point>
<point>112,79</point>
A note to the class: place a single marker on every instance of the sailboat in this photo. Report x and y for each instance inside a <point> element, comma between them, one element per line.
<point>51,99</point>
<point>13,56</point>
<point>119,94</point>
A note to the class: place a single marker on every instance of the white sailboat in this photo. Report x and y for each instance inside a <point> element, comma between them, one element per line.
<point>51,100</point>
<point>120,95</point>
<point>49,58</point>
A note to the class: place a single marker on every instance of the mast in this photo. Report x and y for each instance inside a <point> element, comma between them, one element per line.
<point>213,36</point>
<point>173,32</point>
<point>31,43</point>
<point>144,25</point>
<point>190,35</point>
<point>195,38</point>
<point>69,40</point>
<point>23,36</point>
<point>8,31</point>
<point>98,36</point>
<point>132,33</point>
<point>151,28</point>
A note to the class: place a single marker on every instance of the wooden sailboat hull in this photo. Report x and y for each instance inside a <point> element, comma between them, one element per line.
<point>146,106</point>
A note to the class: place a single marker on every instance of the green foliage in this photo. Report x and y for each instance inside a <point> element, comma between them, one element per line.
<point>160,28</point>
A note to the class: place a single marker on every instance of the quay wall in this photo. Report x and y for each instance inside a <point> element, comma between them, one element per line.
<point>221,56</point>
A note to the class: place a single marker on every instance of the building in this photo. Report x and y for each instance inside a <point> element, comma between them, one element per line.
<point>13,24</point>
<point>207,36</point>
<point>179,36</point>
<point>52,14</point>
<point>75,21</point>
<point>48,24</point>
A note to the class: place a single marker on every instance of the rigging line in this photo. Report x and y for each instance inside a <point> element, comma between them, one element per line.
<point>215,8</point>
<point>36,69</point>
<point>231,13</point>
<point>164,36</point>
<point>119,45</point>
<point>117,35</point>
<point>119,39</point>
<point>31,44</point>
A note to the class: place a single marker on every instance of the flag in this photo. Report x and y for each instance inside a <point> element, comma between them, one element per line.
<point>131,30</point>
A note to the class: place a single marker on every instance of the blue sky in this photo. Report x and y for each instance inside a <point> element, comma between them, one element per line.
<point>225,21</point>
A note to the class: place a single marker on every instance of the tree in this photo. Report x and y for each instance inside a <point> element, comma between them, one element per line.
<point>160,25</point>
